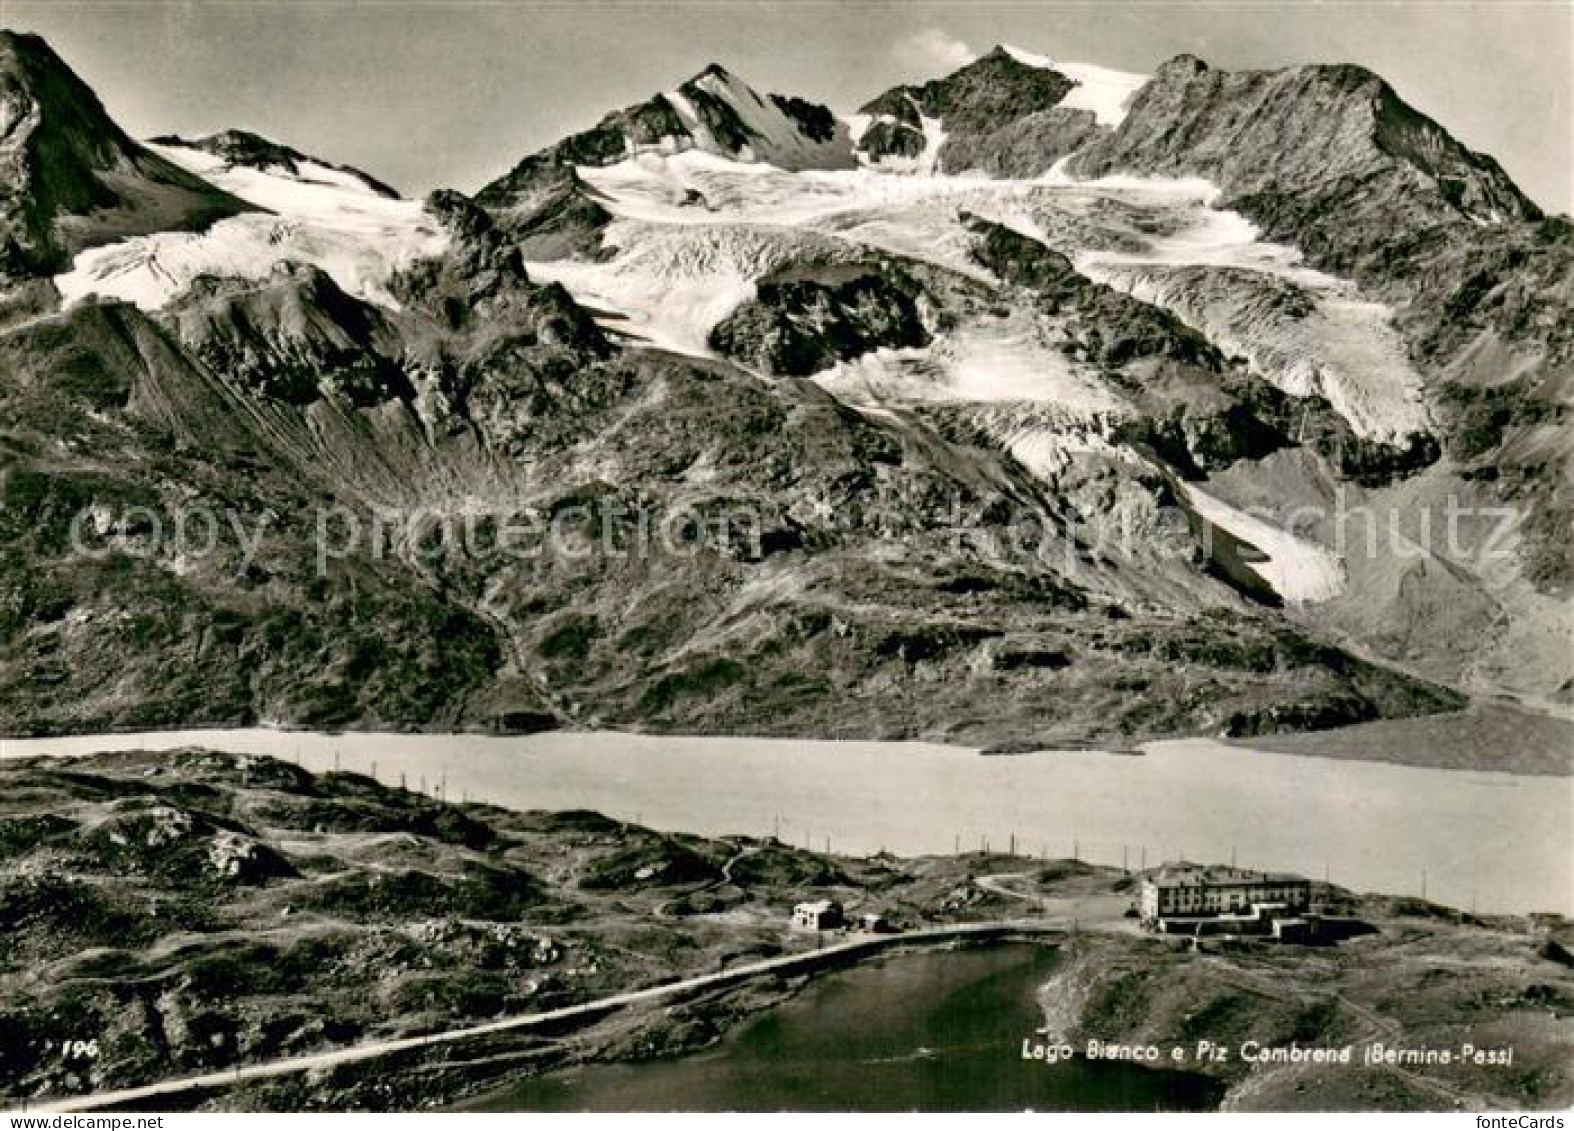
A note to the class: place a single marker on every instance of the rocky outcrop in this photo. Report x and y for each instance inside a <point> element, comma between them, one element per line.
<point>800,322</point>
<point>1028,147</point>
<point>294,337</point>
<point>70,178</point>
<point>548,210</point>
<point>996,114</point>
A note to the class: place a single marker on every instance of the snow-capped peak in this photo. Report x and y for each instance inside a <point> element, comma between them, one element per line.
<point>1107,93</point>
<point>236,158</point>
<point>725,115</point>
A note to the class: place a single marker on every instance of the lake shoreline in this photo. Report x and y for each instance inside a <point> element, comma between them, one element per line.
<point>728,1014</point>
<point>1353,743</point>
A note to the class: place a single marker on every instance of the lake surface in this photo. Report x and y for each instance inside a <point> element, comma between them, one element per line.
<point>929,1031</point>
<point>1497,842</point>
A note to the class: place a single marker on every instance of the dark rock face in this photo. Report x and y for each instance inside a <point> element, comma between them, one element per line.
<point>481,286</point>
<point>240,147</point>
<point>1110,327</point>
<point>981,97</point>
<point>1027,147</point>
<point>70,178</point>
<point>816,121</point>
<point>796,326</point>
<point>717,115</point>
<point>543,202</point>
<point>982,109</point>
<point>892,137</point>
<point>547,209</point>
<point>1201,413</point>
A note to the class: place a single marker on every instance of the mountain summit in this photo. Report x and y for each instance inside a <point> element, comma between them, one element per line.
<point>546,206</point>
<point>1334,145</point>
<point>70,178</point>
<point>716,112</point>
<point>242,148</point>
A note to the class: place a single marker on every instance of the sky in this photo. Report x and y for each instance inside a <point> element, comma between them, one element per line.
<point>426,94</point>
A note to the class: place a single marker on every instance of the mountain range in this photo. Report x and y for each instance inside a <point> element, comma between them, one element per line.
<point>1035,405</point>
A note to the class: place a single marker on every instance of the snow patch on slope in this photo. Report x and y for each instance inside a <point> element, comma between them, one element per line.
<point>692,122</point>
<point>1047,446</point>
<point>1307,332</point>
<point>322,216</point>
<point>669,285</point>
<point>1298,570</point>
<point>314,186</point>
<point>1105,92</point>
<point>987,363</point>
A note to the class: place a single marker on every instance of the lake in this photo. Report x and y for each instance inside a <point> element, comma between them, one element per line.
<point>1493,841</point>
<point>927,1031</point>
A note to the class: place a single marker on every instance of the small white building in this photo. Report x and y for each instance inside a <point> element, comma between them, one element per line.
<point>818,915</point>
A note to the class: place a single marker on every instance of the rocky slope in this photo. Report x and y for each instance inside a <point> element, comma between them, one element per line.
<point>1422,981</point>
<point>185,912</point>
